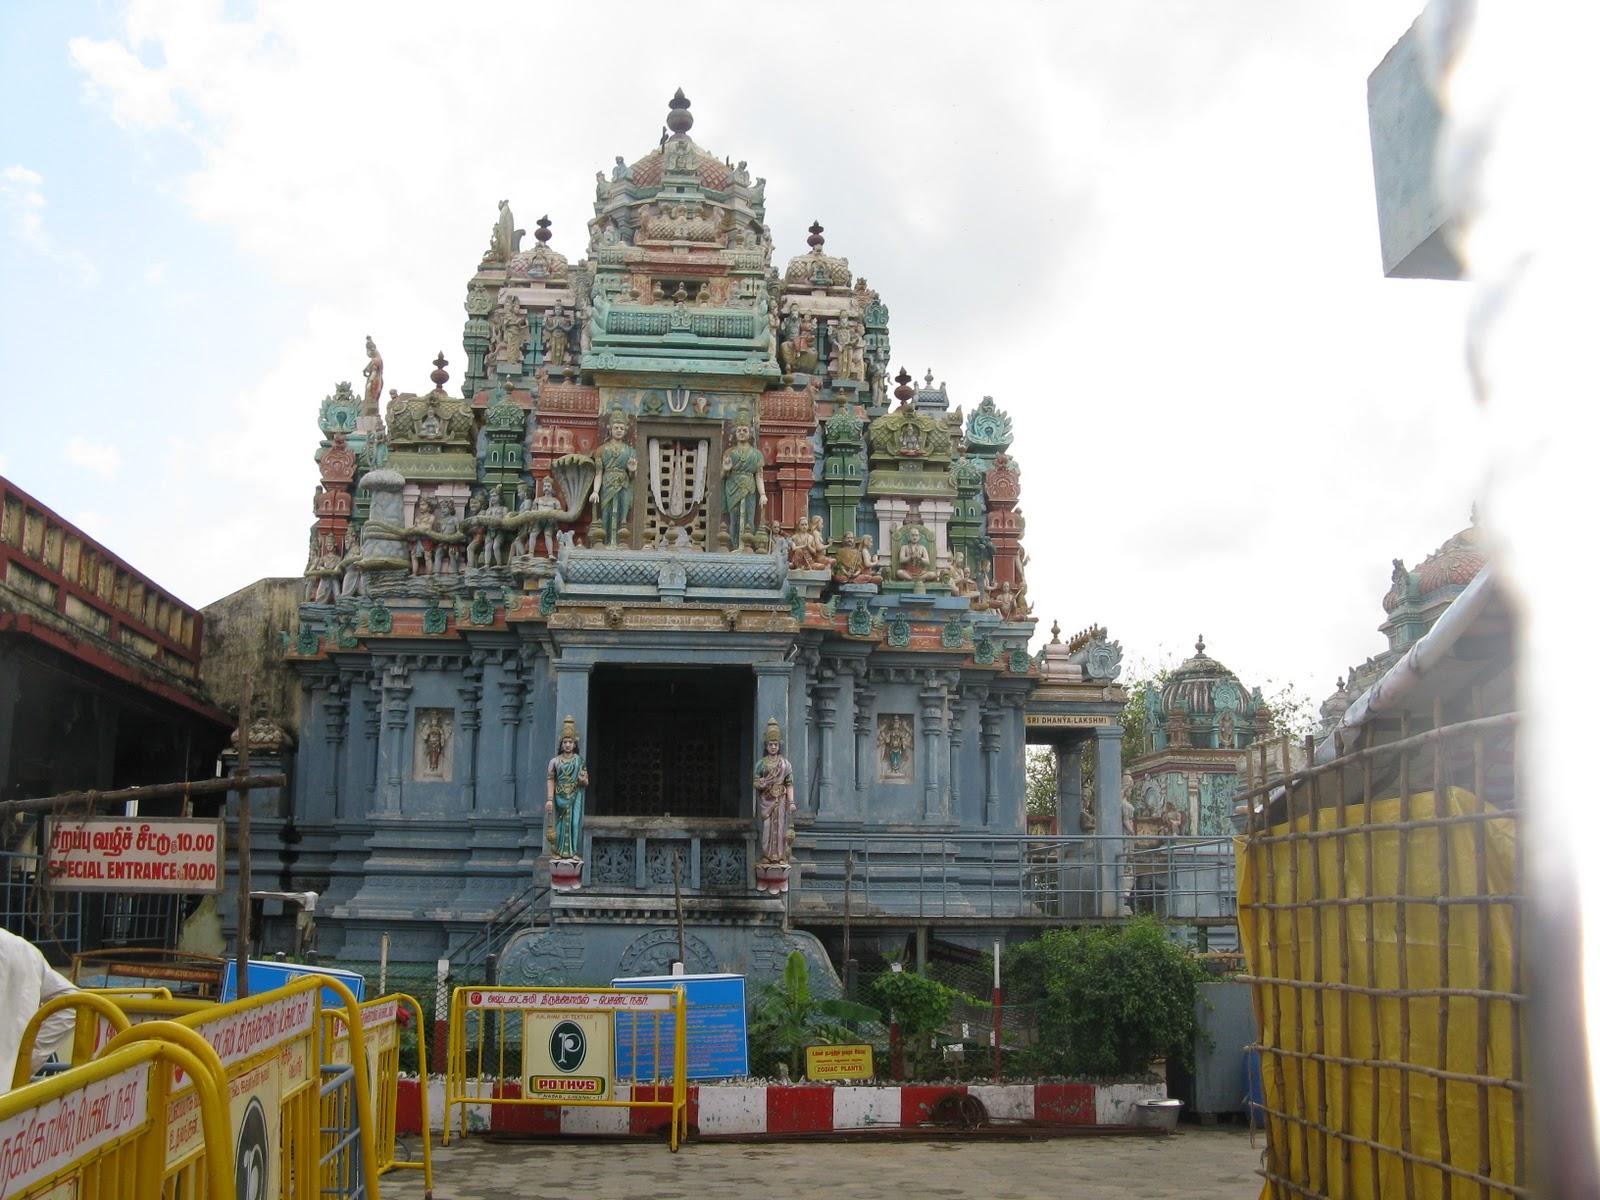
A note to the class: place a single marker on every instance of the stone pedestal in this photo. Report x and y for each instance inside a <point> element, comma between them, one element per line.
<point>566,874</point>
<point>772,879</point>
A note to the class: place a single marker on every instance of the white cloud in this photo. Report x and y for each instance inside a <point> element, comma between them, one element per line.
<point>137,96</point>
<point>100,458</point>
<point>23,202</point>
<point>1146,230</point>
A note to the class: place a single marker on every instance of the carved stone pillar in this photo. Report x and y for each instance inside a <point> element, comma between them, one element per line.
<point>336,708</point>
<point>866,753</point>
<point>989,742</point>
<point>372,726</point>
<point>471,695</point>
<point>396,720</point>
<point>958,705</point>
<point>826,703</point>
<point>932,698</point>
<point>513,688</point>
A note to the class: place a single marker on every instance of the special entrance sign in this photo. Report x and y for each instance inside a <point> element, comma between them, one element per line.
<point>134,854</point>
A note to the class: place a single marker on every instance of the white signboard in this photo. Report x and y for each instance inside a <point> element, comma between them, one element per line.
<point>599,1001</point>
<point>134,854</point>
<point>37,1142</point>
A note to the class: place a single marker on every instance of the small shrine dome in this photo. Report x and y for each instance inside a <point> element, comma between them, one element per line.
<point>824,270</point>
<point>1202,687</point>
<point>713,174</point>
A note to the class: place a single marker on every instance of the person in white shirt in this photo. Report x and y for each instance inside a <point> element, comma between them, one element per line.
<point>26,982</point>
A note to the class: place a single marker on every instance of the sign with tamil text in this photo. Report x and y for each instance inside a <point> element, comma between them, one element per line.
<point>838,1062</point>
<point>134,854</point>
<point>37,1142</point>
<point>596,1000</point>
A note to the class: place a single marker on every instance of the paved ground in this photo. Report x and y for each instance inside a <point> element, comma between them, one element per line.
<point>1193,1164</point>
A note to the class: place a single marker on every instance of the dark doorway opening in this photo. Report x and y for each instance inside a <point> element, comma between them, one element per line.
<point>670,740</point>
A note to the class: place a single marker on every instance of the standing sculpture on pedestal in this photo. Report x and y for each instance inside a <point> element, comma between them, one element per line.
<point>774,807</point>
<point>563,811</point>
<point>616,462</point>
<point>744,491</point>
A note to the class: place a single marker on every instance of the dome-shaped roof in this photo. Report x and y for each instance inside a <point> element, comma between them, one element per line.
<point>713,174</point>
<point>1202,686</point>
<point>1450,567</point>
<point>815,267</point>
<point>1453,564</point>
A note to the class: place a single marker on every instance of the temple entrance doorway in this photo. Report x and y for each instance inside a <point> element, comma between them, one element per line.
<point>670,741</point>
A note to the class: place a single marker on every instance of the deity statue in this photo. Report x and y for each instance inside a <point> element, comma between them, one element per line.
<point>1004,601</point>
<point>476,529</point>
<point>508,330</point>
<point>326,590</point>
<point>421,552</point>
<point>744,491</point>
<point>774,796</point>
<point>566,781</point>
<point>354,582</point>
<point>808,549</point>
<point>616,463</point>
<point>431,427</point>
<point>1128,811</point>
<point>961,581</point>
<point>741,174</point>
<point>914,562</point>
<point>546,525</point>
<point>852,564</point>
<point>494,529</point>
<point>447,530</point>
<point>1021,609</point>
<point>894,747</point>
<point>505,239</point>
<point>558,325</point>
<point>373,374</point>
<point>621,171</point>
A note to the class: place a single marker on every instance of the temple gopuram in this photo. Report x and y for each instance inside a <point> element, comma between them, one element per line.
<point>674,593</point>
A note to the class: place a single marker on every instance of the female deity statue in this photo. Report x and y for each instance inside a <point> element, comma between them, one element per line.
<point>563,806</point>
<point>373,374</point>
<point>616,463</point>
<point>774,797</point>
<point>744,491</point>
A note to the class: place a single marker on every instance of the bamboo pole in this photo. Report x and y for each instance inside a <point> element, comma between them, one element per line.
<point>242,852</point>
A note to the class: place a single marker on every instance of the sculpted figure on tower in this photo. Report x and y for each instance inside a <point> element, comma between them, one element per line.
<point>744,492</point>
<point>616,462</point>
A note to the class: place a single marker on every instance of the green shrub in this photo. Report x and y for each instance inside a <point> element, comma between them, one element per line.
<point>922,1007</point>
<point>1109,999</point>
<point>786,1017</point>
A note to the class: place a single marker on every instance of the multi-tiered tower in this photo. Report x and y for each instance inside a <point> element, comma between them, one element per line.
<point>678,501</point>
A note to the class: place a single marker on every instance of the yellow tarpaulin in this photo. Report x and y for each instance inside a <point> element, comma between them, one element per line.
<point>1366,946</point>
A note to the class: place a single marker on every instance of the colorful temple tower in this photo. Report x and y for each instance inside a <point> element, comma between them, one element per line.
<point>679,588</point>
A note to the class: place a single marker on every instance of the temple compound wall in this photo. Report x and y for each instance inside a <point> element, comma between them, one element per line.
<point>676,589</point>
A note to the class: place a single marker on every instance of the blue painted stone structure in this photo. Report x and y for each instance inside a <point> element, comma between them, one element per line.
<point>752,524</point>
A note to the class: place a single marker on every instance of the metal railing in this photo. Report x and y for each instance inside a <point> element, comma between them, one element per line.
<point>50,919</point>
<point>976,876</point>
<point>514,913</point>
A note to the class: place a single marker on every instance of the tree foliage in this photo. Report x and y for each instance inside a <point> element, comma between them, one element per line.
<point>1109,999</point>
<point>1041,781</point>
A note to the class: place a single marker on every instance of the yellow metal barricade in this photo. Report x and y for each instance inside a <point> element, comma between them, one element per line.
<point>277,1088</point>
<point>100,1130</point>
<point>381,1028</point>
<point>96,1020</point>
<point>595,1047</point>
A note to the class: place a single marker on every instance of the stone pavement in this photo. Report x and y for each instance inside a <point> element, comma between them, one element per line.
<point>1193,1164</point>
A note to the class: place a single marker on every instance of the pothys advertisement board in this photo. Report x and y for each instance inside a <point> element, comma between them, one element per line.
<point>134,854</point>
<point>567,1056</point>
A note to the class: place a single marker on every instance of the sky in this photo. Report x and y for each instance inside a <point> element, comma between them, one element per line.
<point>1147,229</point>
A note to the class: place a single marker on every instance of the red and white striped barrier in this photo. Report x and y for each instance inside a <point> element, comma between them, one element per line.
<point>733,1111</point>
